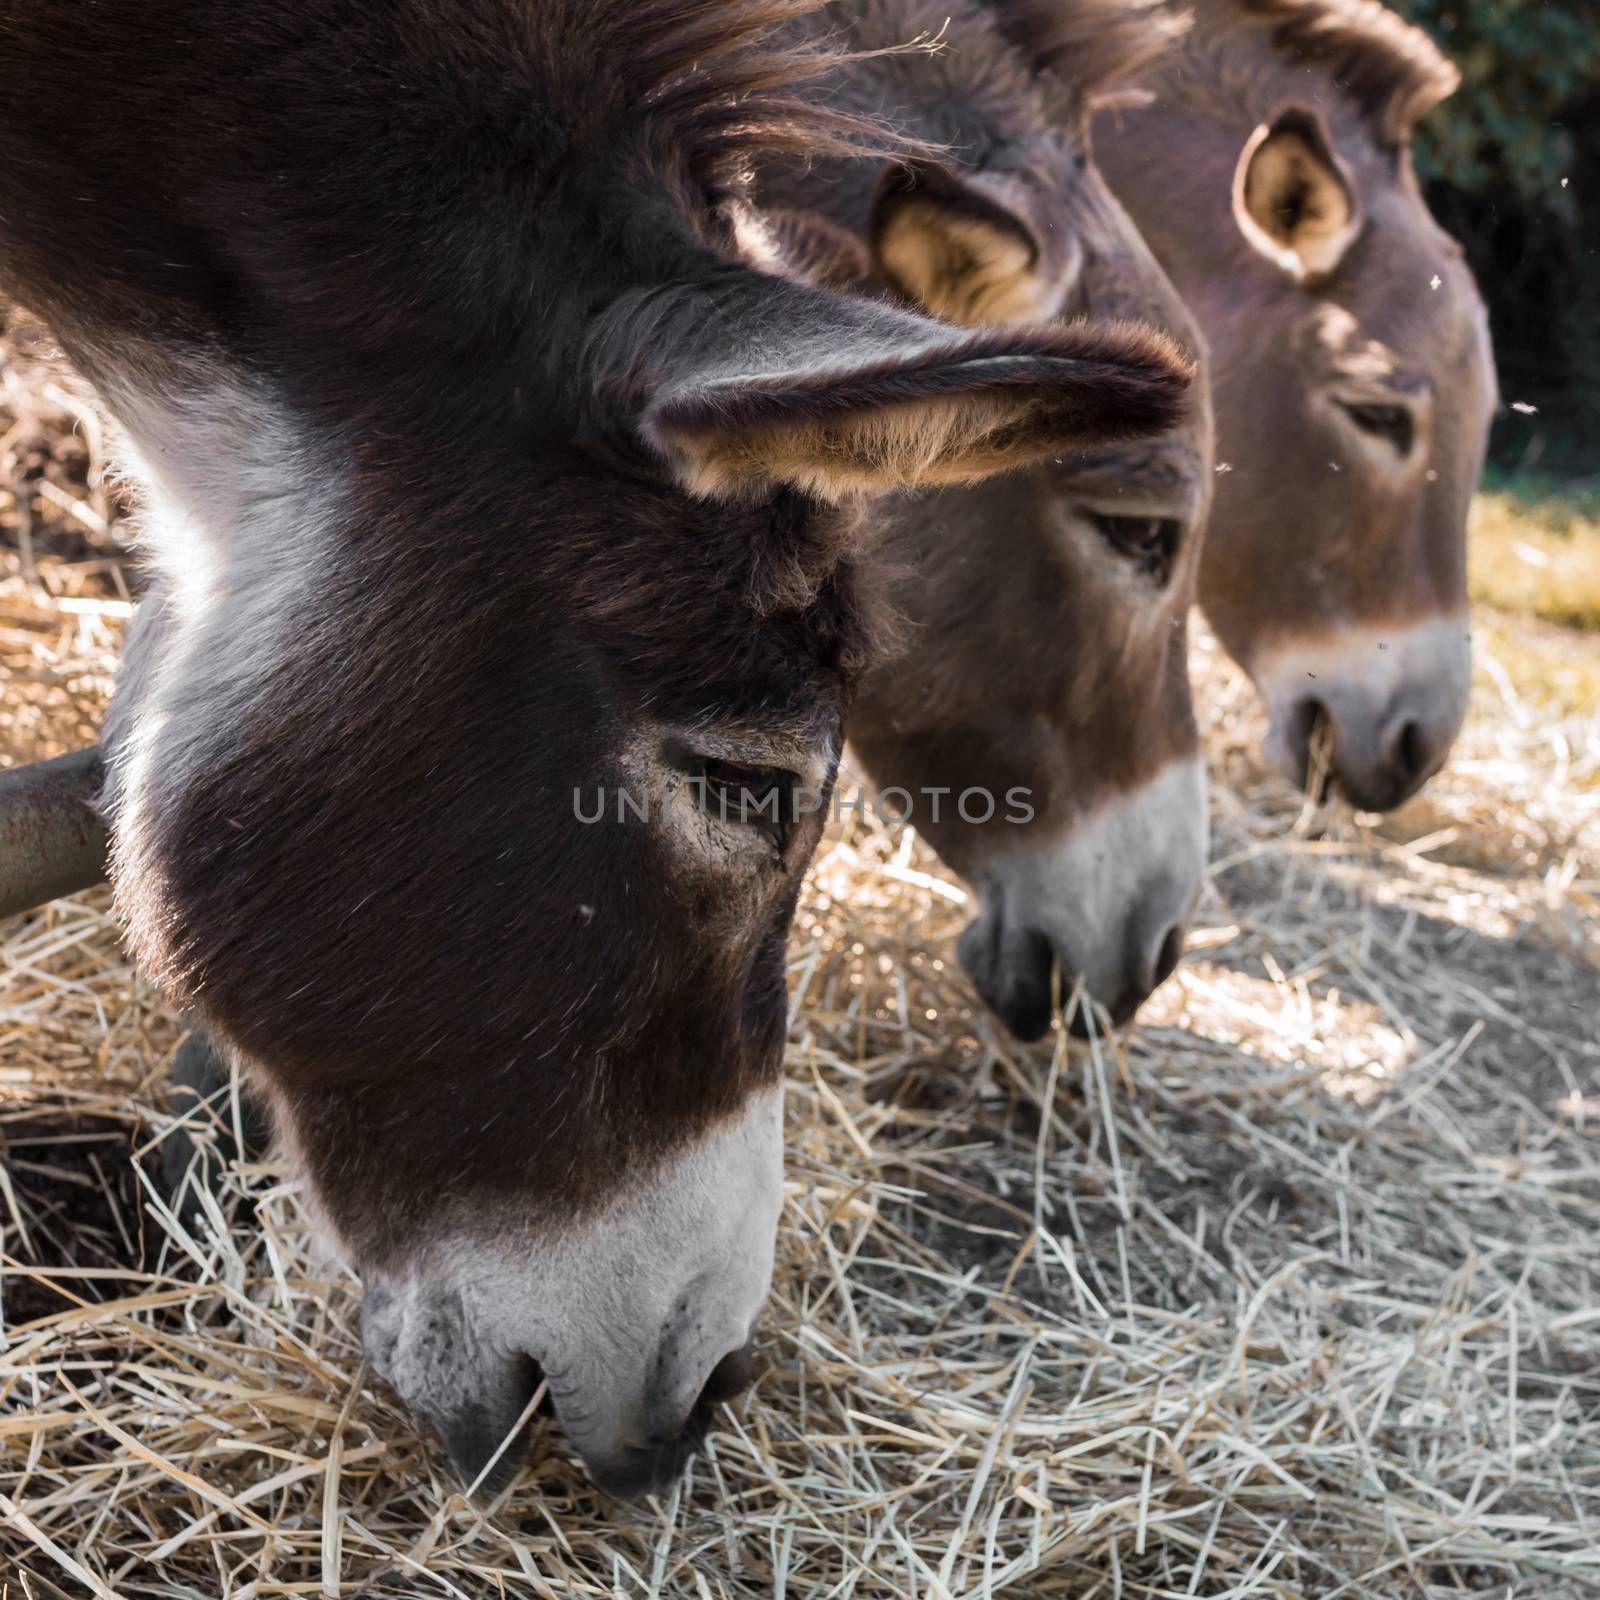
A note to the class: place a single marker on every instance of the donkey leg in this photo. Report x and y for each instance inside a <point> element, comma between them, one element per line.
<point>197,1149</point>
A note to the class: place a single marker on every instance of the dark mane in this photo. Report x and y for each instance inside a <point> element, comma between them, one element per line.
<point>1393,71</point>
<point>470,118</point>
<point>714,83</point>
<point>1091,45</point>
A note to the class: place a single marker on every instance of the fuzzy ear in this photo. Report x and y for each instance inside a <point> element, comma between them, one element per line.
<point>817,251</point>
<point>971,247</point>
<point>1293,198</point>
<point>837,395</point>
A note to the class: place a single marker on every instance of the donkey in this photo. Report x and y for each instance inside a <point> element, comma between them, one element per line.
<point>1045,656</point>
<point>480,462</point>
<point>1352,371</point>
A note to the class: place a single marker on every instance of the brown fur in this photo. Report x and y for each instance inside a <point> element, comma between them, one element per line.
<point>416,318</point>
<point>449,371</point>
<point>878,430</point>
<point>961,267</point>
<point>1317,528</point>
<point>1092,47</point>
<point>1039,656</point>
<point>1391,69</point>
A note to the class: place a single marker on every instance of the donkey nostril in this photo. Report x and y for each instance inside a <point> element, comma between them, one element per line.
<point>1168,956</point>
<point>1411,750</point>
<point>731,1375</point>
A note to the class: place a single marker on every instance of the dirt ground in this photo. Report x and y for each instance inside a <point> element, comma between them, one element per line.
<point>1293,1291</point>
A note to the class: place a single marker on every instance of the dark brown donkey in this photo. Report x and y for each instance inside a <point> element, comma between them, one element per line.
<point>1351,369</point>
<point>479,469</point>
<point>1038,727</point>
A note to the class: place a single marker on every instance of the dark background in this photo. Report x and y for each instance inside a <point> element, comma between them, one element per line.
<point>1492,159</point>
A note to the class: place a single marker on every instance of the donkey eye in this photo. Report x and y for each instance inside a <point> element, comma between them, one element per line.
<point>1383,422</point>
<point>1151,541</point>
<point>759,797</point>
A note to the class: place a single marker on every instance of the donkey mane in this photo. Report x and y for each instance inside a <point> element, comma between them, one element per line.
<point>714,83</point>
<point>1091,46</point>
<point>1391,70</point>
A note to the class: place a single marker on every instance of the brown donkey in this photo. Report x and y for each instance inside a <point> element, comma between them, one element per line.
<point>1038,726</point>
<point>1351,369</point>
<point>479,466</point>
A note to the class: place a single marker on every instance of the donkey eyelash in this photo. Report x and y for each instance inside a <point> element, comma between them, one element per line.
<point>1391,422</point>
<point>1150,541</point>
<point>759,797</point>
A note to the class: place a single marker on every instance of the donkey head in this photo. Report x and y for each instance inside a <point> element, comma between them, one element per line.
<point>580,1068</point>
<point>484,473</point>
<point>489,888</point>
<point>1353,378</point>
<point>1038,727</point>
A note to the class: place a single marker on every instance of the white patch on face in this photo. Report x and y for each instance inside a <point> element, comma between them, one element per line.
<point>1371,680</point>
<point>233,530</point>
<point>1106,893</point>
<point>1346,353</point>
<point>628,1312</point>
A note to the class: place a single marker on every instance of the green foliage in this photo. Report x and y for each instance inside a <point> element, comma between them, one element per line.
<point>1524,64</point>
<point>1511,164</point>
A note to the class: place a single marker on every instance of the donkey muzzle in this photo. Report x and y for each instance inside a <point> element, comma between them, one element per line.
<point>638,1316</point>
<point>1373,711</point>
<point>1104,906</point>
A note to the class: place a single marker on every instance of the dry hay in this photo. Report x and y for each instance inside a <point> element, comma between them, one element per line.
<point>1290,1293</point>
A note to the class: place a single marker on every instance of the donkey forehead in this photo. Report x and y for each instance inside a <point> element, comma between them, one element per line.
<point>1412,342</point>
<point>1404,293</point>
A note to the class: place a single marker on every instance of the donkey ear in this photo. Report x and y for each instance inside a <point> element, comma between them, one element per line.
<point>836,395</point>
<point>971,247</point>
<point>817,251</point>
<point>1294,198</point>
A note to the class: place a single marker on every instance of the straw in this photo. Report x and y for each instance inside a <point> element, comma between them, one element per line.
<point>1292,1292</point>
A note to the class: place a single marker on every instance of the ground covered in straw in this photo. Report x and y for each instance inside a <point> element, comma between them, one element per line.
<point>1293,1292</point>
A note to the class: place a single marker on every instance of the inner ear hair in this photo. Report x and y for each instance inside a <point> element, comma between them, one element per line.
<point>962,247</point>
<point>944,439</point>
<point>955,410</point>
<point>1293,198</point>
